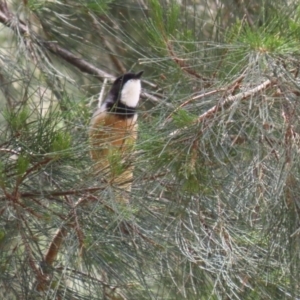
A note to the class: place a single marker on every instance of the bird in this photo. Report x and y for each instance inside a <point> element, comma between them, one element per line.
<point>113,133</point>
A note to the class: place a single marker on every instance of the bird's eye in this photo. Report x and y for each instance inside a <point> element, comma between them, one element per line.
<point>120,79</point>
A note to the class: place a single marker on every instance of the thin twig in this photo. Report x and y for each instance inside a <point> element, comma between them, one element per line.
<point>101,95</point>
<point>118,64</point>
<point>11,151</point>
<point>61,193</point>
<point>6,92</point>
<point>180,62</point>
<point>197,97</point>
<point>87,276</point>
<point>41,278</point>
<point>6,18</point>
<point>241,96</point>
<point>230,88</point>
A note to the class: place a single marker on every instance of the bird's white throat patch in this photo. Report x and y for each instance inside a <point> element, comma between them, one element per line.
<point>130,93</point>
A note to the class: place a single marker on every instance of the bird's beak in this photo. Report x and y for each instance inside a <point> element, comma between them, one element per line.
<point>139,74</point>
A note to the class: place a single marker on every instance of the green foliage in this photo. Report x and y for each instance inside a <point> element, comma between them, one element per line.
<point>22,164</point>
<point>2,236</point>
<point>61,142</point>
<point>35,5</point>
<point>115,162</point>
<point>164,22</point>
<point>97,6</point>
<point>275,37</point>
<point>2,174</point>
<point>183,118</point>
<point>18,120</point>
<point>165,17</point>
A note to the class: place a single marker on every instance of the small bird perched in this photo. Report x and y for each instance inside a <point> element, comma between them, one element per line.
<point>113,133</point>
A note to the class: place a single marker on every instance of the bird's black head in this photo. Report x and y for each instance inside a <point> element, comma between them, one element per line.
<point>124,94</point>
<point>120,82</point>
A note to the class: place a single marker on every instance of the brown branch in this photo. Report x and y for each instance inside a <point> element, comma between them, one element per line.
<point>241,96</point>
<point>58,239</point>
<point>20,179</point>
<point>46,207</point>
<point>4,8</point>
<point>55,245</point>
<point>30,210</point>
<point>41,279</point>
<point>60,193</point>
<point>73,215</point>
<point>112,288</point>
<point>14,199</point>
<point>180,62</point>
<point>61,233</point>
<point>36,167</point>
<point>124,224</point>
<point>11,151</point>
<point>76,61</point>
<point>153,177</point>
<point>7,19</point>
<point>76,226</point>
<point>104,283</point>
<point>197,97</point>
<point>6,92</point>
<point>230,88</point>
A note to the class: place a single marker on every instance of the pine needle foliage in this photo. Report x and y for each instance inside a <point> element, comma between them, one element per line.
<point>214,210</point>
